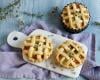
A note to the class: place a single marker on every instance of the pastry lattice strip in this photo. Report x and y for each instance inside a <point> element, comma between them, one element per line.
<point>70,18</point>
<point>37,47</point>
<point>70,56</point>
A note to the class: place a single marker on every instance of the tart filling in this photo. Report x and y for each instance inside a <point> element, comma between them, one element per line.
<point>37,48</point>
<point>70,54</point>
<point>75,16</point>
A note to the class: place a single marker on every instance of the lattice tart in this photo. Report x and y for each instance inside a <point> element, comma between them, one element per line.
<point>70,54</point>
<point>37,48</point>
<point>75,17</point>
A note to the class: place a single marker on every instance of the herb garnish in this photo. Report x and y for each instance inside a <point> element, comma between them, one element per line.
<point>97,23</point>
<point>4,12</point>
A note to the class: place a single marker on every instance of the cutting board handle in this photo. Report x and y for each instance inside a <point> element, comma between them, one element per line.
<point>15,39</point>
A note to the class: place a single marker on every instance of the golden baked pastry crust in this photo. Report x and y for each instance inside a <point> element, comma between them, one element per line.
<point>37,48</point>
<point>70,54</point>
<point>75,17</point>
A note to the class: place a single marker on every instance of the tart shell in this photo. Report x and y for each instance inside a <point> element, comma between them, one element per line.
<point>70,30</point>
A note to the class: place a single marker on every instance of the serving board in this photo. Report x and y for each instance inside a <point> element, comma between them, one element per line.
<point>15,39</point>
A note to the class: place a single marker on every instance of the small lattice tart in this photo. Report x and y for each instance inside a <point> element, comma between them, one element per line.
<point>70,54</point>
<point>75,17</point>
<point>37,48</point>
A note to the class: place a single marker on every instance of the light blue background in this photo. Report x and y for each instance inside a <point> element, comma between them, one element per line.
<point>43,7</point>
